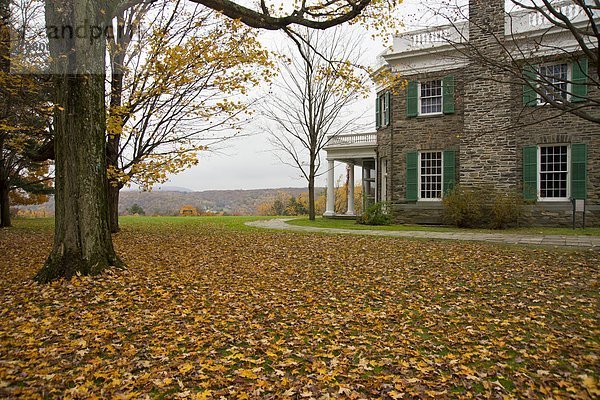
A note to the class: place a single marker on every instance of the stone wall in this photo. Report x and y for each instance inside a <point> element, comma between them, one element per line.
<point>488,144</point>
<point>403,135</point>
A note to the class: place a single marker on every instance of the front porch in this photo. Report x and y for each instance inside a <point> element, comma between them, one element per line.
<point>353,150</point>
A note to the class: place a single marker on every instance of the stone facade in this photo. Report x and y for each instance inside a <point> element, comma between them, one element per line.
<point>488,131</point>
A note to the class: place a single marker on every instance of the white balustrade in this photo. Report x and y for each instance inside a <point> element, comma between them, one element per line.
<point>517,22</point>
<point>352,139</point>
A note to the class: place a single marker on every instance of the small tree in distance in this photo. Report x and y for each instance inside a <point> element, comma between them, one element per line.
<point>136,209</point>
<point>312,100</point>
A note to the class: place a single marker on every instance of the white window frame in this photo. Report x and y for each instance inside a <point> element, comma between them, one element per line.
<point>540,99</point>
<point>437,199</point>
<point>384,176</point>
<point>442,97</point>
<point>383,110</point>
<point>539,173</point>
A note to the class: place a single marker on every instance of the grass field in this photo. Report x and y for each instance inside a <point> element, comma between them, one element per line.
<point>351,224</point>
<point>209,308</point>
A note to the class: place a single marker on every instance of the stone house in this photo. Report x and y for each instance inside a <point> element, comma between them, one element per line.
<point>458,120</point>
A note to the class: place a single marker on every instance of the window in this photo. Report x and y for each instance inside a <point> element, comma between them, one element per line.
<point>430,97</point>
<point>430,175</point>
<point>434,97</point>
<point>382,110</point>
<point>384,177</point>
<point>558,81</point>
<point>554,172</point>
<point>369,183</point>
<point>554,82</point>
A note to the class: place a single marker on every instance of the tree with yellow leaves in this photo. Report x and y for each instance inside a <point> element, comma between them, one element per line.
<point>82,240</point>
<point>24,119</point>
<point>180,76</point>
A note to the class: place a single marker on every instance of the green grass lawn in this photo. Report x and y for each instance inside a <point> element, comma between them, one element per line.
<point>208,308</point>
<point>321,222</point>
<point>143,222</point>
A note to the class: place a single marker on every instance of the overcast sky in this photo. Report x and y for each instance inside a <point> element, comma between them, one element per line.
<point>249,162</point>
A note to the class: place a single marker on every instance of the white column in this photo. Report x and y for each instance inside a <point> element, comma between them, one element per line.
<point>330,210</point>
<point>350,190</point>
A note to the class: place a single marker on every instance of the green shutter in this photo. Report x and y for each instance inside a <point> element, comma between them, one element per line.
<point>580,80</point>
<point>448,94</point>
<point>449,171</point>
<point>377,113</point>
<point>579,171</point>
<point>387,108</point>
<point>412,99</point>
<point>530,172</point>
<point>529,94</point>
<point>412,176</point>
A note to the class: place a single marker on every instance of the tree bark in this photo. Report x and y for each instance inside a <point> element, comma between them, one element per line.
<point>113,206</point>
<point>311,191</point>
<point>113,143</point>
<point>4,205</point>
<point>82,241</point>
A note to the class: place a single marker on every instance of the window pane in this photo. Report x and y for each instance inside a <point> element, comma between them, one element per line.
<point>553,171</point>
<point>431,175</point>
<point>431,97</point>
<point>553,81</point>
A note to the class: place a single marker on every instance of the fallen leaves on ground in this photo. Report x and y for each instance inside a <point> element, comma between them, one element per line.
<point>205,312</point>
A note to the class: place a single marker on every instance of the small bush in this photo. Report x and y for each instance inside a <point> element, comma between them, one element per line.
<point>506,210</point>
<point>376,214</point>
<point>482,208</point>
<point>463,207</point>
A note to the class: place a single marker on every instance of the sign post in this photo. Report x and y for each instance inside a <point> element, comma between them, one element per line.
<point>578,206</point>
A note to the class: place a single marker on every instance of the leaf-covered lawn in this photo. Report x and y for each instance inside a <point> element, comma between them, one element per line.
<point>209,311</point>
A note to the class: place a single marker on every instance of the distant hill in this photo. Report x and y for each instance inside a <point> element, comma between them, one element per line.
<point>164,188</point>
<point>168,201</point>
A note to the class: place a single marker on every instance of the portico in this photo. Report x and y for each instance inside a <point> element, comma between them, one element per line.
<point>354,150</point>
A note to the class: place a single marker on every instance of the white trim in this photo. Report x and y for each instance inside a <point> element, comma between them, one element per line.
<point>384,112</point>
<point>384,175</point>
<point>539,174</point>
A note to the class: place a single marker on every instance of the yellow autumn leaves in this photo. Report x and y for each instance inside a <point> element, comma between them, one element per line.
<point>206,311</point>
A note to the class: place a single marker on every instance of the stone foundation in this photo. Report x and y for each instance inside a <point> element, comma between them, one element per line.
<point>424,212</point>
<point>559,214</point>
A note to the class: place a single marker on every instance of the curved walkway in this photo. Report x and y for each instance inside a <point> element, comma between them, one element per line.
<point>588,242</point>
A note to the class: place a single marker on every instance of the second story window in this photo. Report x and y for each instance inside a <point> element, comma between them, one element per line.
<point>554,80</point>
<point>430,97</point>
<point>558,82</point>
<point>383,110</point>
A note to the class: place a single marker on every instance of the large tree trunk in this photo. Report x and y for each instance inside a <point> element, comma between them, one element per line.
<point>82,241</point>
<point>4,205</point>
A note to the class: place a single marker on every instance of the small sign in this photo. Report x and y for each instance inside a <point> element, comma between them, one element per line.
<point>579,205</point>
